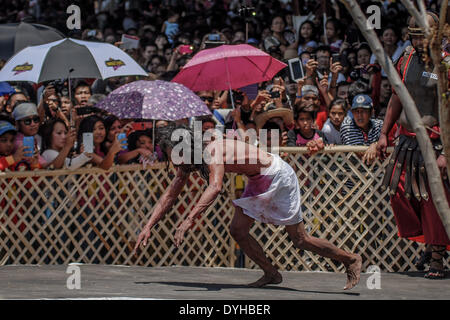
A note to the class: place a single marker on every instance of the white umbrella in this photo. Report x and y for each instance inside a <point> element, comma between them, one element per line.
<point>69,58</point>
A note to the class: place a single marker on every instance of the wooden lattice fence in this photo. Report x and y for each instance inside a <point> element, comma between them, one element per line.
<point>94,216</point>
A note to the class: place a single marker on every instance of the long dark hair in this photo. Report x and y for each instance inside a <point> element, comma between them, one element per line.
<point>163,138</point>
<point>109,121</point>
<point>302,40</point>
<point>87,125</point>
<point>46,132</point>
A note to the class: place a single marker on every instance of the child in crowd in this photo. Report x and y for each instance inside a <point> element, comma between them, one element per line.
<point>8,158</point>
<point>331,128</point>
<point>170,27</point>
<point>304,131</point>
<point>140,146</point>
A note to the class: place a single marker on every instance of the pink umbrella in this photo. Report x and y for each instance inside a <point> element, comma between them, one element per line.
<point>228,67</point>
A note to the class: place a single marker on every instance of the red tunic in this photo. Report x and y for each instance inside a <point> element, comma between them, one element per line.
<point>418,220</point>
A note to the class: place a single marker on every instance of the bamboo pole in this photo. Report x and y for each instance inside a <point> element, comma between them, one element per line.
<point>444,96</point>
<point>409,106</point>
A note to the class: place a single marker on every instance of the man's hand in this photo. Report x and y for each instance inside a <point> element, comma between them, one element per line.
<point>262,97</point>
<point>143,238</point>
<point>442,165</point>
<point>336,68</point>
<point>181,230</point>
<point>49,91</point>
<point>381,147</point>
<point>71,138</point>
<point>323,84</point>
<point>370,154</point>
<point>284,138</point>
<point>236,114</point>
<point>311,67</point>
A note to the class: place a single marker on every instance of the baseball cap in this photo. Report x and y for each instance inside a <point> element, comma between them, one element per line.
<point>311,44</point>
<point>6,126</point>
<point>362,101</point>
<point>310,89</point>
<point>24,110</point>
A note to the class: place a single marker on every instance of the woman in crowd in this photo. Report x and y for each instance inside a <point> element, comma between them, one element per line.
<point>57,143</point>
<point>113,127</point>
<point>277,29</point>
<point>389,39</point>
<point>102,156</point>
<point>332,32</point>
<point>306,37</point>
<point>337,112</point>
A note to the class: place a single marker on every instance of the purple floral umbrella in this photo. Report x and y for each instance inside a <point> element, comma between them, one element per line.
<point>157,100</point>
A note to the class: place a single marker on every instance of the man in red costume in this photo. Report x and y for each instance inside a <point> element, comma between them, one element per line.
<point>416,216</point>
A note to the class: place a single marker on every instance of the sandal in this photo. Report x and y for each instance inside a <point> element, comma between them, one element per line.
<point>425,258</point>
<point>434,273</point>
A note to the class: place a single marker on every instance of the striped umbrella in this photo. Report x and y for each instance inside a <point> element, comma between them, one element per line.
<point>69,58</point>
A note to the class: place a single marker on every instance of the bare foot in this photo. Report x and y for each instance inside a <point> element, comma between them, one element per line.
<point>274,278</point>
<point>353,271</point>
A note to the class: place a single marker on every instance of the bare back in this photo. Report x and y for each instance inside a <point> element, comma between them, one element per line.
<point>239,157</point>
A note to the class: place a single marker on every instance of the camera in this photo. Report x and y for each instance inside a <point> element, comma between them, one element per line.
<point>274,94</point>
<point>355,75</point>
<point>186,49</point>
<point>238,97</point>
<point>58,85</point>
<point>87,110</point>
<point>247,12</point>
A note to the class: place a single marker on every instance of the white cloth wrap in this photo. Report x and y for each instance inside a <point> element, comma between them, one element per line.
<point>280,204</point>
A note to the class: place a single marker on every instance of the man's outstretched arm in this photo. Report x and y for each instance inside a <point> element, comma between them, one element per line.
<point>162,207</point>
<point>393,112</point>
<point>207,199</point>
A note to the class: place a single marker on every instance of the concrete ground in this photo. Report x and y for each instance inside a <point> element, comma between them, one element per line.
<point>181,283</point>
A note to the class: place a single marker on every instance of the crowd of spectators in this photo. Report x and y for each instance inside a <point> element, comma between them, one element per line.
<point>341,99</point>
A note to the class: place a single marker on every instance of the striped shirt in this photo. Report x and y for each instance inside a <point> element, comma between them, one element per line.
<point>351,134</point>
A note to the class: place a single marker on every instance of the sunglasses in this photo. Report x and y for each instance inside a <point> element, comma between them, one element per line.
<point>209,99</point>
<point>29,120</point>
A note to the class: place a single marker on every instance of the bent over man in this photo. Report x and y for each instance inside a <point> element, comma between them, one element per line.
<point>271,196</point>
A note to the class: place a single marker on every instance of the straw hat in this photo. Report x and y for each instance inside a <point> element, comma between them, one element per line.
<point>286,114</point>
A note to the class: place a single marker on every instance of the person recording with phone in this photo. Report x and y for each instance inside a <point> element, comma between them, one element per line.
<point>101,157</point>
<point>322,65</point>
<point>57,144</point>
<point>50,104</point>
<point>28,122</point>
